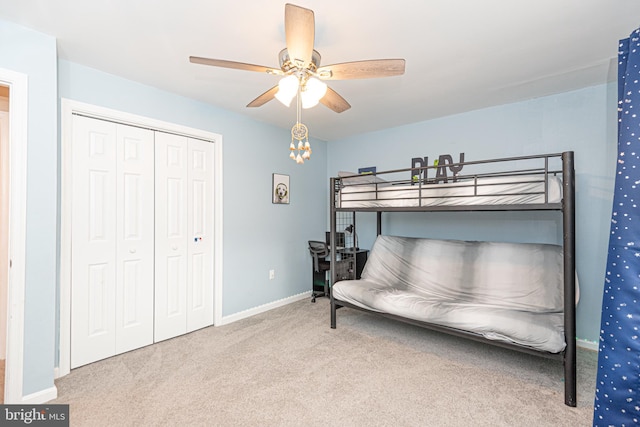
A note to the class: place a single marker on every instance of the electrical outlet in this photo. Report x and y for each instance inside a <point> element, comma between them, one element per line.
<point>272,274</point>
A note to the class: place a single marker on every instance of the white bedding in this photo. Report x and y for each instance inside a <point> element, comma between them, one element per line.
<point>509,292</point>
<point>521,189</point>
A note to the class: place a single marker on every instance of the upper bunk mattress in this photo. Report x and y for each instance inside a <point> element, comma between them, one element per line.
<point>495,190</point>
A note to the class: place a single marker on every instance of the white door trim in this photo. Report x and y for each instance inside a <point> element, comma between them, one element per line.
<point>70,107</point>
<point>18,119</point>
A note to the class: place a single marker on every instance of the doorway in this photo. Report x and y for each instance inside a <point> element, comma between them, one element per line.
<point>4,228</point>
<point>13,133</point>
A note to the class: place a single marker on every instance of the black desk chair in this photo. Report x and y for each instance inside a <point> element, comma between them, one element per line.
<point>319,252</point>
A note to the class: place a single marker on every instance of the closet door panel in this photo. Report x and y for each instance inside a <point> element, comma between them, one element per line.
<point>171,236</point>
<point>93,272</point>
<point>135,238</point>
<point>200,231</point>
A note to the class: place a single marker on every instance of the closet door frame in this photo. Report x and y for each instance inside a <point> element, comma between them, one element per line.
<point>69,108</point>
<point>18,126</point>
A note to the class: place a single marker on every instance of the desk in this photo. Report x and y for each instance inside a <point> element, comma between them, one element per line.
<point>361,258</point>
<point>344,271</point>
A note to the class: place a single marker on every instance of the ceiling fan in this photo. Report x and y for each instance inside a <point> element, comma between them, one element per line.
<point>300,67</point>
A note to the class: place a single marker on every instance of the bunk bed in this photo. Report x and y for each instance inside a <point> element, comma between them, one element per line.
<point>529,183</point>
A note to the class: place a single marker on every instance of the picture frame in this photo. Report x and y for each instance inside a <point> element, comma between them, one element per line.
<point>280,191</point>
<point>367,170</point>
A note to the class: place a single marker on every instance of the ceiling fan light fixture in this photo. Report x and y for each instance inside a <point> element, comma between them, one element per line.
<point>300,59</point>
<point>313,92</point>
<point>287,89</point>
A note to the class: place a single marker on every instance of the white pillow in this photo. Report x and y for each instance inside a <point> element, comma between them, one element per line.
<point>354,178</point>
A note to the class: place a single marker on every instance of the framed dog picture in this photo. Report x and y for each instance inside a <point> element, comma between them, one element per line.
<point>280,191</point>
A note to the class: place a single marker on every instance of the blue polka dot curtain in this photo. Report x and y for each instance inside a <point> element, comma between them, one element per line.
<point>617,400</point>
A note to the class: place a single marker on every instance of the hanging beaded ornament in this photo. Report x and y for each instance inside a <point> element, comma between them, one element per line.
<point>300,133</point>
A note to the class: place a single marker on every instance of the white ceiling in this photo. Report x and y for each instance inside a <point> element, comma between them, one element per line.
<point>460,55</point>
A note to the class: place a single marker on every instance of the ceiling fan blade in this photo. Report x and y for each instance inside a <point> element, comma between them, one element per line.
<point>235,65</point>
<point>334,101</point>
<point>264,98</point>
<point>299,28</point>
<point>362,69</point>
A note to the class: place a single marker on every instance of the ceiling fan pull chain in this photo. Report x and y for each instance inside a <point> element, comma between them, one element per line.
<point>298,102</point>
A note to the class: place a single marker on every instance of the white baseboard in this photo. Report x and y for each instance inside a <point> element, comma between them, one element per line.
<point>262,308</point>
<point>588,345</point>
<point>39,397</point>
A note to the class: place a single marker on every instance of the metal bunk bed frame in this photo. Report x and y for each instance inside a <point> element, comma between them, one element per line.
<point>566,206</point>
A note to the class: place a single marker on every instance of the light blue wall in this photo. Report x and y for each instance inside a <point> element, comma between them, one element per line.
<point>34,54</point>
<point>258,235</point>
<point>583,121</point>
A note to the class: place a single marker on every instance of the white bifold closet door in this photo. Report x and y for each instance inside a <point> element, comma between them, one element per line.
<point>183,235</point>
<point>112,281</point>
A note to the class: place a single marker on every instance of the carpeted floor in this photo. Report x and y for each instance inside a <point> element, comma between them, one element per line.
<point>287,367</point>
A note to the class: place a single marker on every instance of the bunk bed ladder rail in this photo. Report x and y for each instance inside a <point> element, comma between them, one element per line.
<point>568,219</point>
<point>334,187</point>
